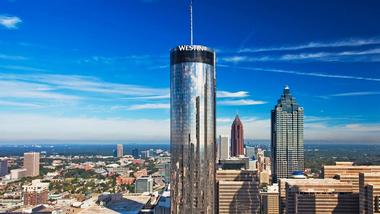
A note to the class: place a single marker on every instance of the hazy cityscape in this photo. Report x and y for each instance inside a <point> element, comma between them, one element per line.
<point>164,133</point>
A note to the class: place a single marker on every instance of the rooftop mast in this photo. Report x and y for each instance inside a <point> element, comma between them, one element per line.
<point>191,22</point>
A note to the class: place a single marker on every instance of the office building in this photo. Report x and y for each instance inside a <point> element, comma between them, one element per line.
<point>238,191</point>
<point>36,193</point>
<point>269,198</point>
<point>287,144</point>
<point>144,184</point>
<point>369,193</point>
<point>32,163</point>
<point>192,129</point>
<point>234,163</point>
<point>318,196</point>
<point>224,145</point>
<point>3,167</point>
<point>18,173</point>
<point>348,172</point>
<point>119,150</point>
<point>145,154</point>
<point>237,138</point>
<point>250,152</point>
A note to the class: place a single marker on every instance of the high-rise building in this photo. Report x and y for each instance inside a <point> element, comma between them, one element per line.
<point>224,145</point>
<point>3,167</point>
<point>135,153</point>
<point>269,198</point>
<point>192,129</point>
<point>32,163</point>
<point>238,191</point>
<point>348,172</point>
<point>144,184</point>
<point>237,137</point>
<point>287,137</point>
<point>36,193</point>
<point>145,154</point>
<point>369,196</point>
<point>318,196</point>
<point>119,150</point>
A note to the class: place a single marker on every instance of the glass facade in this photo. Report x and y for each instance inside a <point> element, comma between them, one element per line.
<point>193,147</point>
<point>287,147</point>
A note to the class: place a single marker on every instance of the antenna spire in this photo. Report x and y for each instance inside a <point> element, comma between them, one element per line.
<point>191,22</point>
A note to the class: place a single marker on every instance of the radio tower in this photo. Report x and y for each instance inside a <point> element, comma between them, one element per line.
<point>191,22</point>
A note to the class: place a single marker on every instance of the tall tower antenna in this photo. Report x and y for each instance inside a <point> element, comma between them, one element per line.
<point>191,22</point>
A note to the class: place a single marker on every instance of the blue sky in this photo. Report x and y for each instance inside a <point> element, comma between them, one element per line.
<point>98,70</point>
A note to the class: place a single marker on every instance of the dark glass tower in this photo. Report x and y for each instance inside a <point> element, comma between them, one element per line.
<point>237,137</point>
<point>192,129</point>
<point>287,137</point>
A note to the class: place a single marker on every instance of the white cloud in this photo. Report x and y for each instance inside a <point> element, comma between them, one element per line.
<point>17,89</point>
<point>310,45</point>
<point>314,74</point>
<point>370,55</point>
<point>39,127</point>
<point>85,84</point>
<point>316,128</point>
<point>242,102</point>
<point>9,22</point>
<point>228,94</point>
<point>357,93</point>
<point>12,57</point>
<point>149,106</point>
<point>18,104</point>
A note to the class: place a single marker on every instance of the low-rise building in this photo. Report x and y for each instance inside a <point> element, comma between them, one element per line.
<point>36,193</point>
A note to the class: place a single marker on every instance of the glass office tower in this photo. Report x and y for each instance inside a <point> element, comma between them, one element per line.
<point>192,126</point>
<point>287,147</point>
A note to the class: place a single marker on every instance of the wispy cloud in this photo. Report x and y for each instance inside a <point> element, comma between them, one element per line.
<point>12,57</point>
<point>18,104</point>
<point>228,94</point>
<point>369,55</point>
<point>352,94</point>
<point>149,106</point>
<point>241,102</point>
<point>313,74</point>
<point>311,45</point>
<point>43,127</point>
<point>358,93</point>
<point>17,89</point>
<point>86,84</point>
<point>9,22</point>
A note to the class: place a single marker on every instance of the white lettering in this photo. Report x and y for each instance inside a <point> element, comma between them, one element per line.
<point>191,48</point>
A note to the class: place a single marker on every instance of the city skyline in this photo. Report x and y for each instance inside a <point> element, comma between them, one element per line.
<point>83,74</point>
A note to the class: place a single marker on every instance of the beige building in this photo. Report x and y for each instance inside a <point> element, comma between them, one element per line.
<point>32,163</point>
<point>270,200</point>
<point>238,191</point>
<point>319,196</point>
<point>348,172</point>
<point>18,173</point>
<point>369,198</point>
<point>119,150</point>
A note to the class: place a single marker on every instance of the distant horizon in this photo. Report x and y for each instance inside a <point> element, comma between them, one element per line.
<point>167,142</point>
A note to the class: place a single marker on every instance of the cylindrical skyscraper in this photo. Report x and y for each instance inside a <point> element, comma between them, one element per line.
<point>192,129</point>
